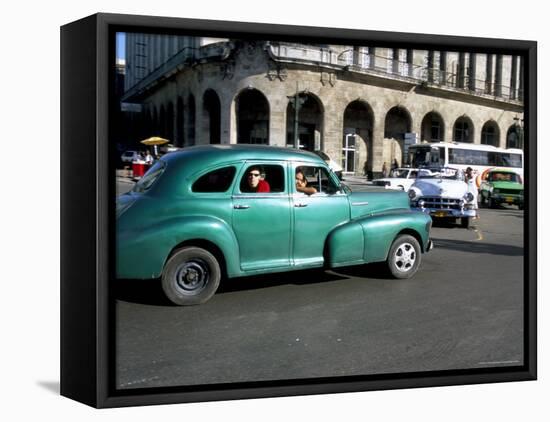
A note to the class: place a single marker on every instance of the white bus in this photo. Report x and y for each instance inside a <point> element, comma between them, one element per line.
<point>479,157</point>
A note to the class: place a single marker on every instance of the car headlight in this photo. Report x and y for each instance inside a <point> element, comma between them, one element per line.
<point>412,194</point>
<point>496,191</point>
<point>469,196</point>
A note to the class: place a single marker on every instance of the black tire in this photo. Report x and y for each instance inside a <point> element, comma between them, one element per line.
<point>191,276</point>
<point>465,222</point>
<point>491,203</point>
<point>404,257</point>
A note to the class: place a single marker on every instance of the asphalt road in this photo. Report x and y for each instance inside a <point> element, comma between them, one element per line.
<point>463,309</point>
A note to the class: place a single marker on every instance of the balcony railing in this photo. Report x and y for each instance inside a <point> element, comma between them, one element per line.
<point>362,62</point>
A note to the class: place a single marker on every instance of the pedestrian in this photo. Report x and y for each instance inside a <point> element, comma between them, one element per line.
<point>394,165</point>
<point>148,158</point>
<point>470,179</point>
<point>384,170</point>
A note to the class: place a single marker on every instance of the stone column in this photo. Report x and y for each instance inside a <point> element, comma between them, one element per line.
<point>443,67</point>
<point>472,72</point>
<point>333,129</point>
<point>228,124</point>
<point>513,78</point>
<point>498,76</point>
<point>277,119</point>
<point>378,142</point>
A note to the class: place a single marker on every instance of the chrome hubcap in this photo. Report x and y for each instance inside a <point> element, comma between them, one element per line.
<point>405,257</point>
<point>192,276</point>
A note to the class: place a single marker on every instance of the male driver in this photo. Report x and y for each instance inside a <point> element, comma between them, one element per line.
<point>256,182</point>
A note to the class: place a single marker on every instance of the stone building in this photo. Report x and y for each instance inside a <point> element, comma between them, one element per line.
<point>358,104</point>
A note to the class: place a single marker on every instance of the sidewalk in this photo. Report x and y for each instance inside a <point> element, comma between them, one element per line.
<point>356,179</point>
<point>124,176</point>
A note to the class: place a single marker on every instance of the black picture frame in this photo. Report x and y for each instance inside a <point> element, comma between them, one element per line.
<point>87,214</point>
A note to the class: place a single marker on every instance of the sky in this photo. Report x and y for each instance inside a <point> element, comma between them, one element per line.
<point>120,45</point>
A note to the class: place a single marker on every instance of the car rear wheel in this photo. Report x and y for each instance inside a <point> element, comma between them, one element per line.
<point>404,257</point>
<point>191,276</point>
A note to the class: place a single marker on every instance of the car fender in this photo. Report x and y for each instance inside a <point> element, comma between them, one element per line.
<point>146,251</point>
<point>369,238</point>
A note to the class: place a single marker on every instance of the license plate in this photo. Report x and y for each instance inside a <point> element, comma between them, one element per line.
<point>440,214</point>
<point>508,199</point>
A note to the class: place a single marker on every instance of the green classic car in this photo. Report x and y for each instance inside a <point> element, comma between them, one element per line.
<point>215,212</point>
<point>501,186</point>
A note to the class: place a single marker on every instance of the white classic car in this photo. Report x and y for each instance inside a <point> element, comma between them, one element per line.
<point>443,193</point>
<point>400,179</point>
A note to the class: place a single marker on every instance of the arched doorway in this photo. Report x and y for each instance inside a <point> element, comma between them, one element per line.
<point>170,122</point>
<point>211,117</point>
<point>357,154</point>
<point>252,112</point>
<point>433,128</point>
<point>180,129</point>
<point>189,118</point>
<point>397,124</point>
<point>514,137</point>
<point>490,133</point>
<point>307,121</point>
<point>463,130</point>
<point>162,122</point>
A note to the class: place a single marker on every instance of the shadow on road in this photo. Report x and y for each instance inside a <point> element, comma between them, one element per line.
<point>476,247</point>
<point>149,292</point>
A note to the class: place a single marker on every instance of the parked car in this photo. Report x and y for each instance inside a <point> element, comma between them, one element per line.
<point>130,156</point>
<point>195,218</point>
<point>333,165</point>
<point>400,178</point>
<point>501,186</point>
<point>443,193</point>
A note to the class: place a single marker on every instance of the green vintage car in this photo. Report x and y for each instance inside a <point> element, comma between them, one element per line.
<point>215,212</point>
<point>501,186</point>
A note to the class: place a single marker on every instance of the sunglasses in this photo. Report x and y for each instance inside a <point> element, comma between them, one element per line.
<point>253,174</point>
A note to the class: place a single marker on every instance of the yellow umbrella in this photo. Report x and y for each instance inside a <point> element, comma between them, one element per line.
<point>155,140</point>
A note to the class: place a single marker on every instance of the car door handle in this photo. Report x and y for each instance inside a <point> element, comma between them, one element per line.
<point>300,205</point>
<point>241,207</point>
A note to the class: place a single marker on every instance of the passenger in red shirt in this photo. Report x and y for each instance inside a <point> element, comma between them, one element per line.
<point>256,182</point>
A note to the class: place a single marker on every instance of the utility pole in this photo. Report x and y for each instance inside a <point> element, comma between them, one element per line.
<point>297,103</point>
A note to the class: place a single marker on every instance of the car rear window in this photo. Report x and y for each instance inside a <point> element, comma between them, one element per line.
<point>219,180</point>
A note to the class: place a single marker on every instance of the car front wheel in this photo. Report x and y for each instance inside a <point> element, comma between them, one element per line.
<point>191,276</point>
<point>404,257</point>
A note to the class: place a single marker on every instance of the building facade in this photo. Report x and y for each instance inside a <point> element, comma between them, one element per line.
<point>361,105</point>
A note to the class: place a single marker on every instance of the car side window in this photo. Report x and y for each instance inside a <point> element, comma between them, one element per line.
<point>318,178</point>
<point>218,180</point>
<point>263,178</point>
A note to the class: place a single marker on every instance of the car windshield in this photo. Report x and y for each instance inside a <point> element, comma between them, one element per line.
<point>441,173</point>
<point>497,176</point>
<point>400,173</point>
<point>150,177</point>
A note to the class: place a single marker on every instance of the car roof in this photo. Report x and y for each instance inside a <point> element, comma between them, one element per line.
<point>190,161</point>
<point>204,156</point>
